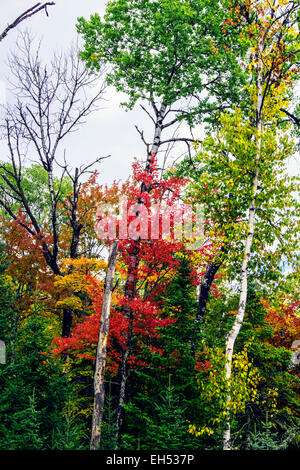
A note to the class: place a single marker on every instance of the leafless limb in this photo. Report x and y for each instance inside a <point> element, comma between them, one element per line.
<point>141,133</point>
<point>178,139</point>
<point>291,116</point>
<point>52,100</point>
<point>25,15</point>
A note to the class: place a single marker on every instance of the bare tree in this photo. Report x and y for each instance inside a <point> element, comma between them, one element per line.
<point>51,102</point>
<point>25,15</point>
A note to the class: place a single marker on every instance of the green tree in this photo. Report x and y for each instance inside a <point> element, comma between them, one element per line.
<point>26,15</point>
<point>164,429</point>
<point>33,386</point>
<point>180,339</point>
<point>166,54</point>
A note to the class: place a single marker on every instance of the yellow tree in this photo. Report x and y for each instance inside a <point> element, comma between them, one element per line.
<point>272,33</point>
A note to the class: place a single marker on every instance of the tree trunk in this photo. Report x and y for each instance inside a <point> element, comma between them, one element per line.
<point>205,286</point>
<point>67,322</point>
<point>25,15</point>
<point>99,388</point>
<point>231,338</point>
<point>131,281</point>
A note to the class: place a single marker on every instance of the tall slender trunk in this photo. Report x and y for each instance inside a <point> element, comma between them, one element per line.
<point>231,338</point>
<point>123,376</point>
<point>99,388</point>
<point>130,287</point>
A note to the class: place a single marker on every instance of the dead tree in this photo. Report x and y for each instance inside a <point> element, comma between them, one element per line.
<point>51,101</point>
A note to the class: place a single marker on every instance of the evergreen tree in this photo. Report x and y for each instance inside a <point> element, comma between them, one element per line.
<point>165,429</point>
<point>29,373</point>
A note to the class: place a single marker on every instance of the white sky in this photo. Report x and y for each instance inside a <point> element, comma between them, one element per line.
<point>109,131</point>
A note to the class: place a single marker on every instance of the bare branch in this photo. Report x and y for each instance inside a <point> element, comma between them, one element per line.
<point>292,116</point>
<point>24,16</point>
<point>52,100</point>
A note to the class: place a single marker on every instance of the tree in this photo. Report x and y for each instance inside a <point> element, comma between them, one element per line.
<point>101,350</point>
<point>274,68</point>
<point>25,15</point>
<point>164,429</point>
<point>168,61</point>
<point>34,389</point>
<point>53,105</point>
<point>241,174</point>
<point>243,14</point>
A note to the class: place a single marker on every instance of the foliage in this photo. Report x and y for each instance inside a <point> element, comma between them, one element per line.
<point>69,435</point>
<point>170,50</point>
<point>164,429</point>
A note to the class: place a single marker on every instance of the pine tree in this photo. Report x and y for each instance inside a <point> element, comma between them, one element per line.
<point>29,372</point>
<point>165,428</point>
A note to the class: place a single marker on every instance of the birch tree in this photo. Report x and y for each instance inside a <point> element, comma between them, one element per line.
<point>273,66</point>
<point>172,58</point>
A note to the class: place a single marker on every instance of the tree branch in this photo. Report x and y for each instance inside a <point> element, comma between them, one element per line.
<point>24,16</point>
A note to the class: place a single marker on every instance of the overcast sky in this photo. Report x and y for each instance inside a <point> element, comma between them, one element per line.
<point>109,131</point>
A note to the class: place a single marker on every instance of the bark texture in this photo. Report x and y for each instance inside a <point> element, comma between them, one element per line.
<point>231,338</point>
<point>99,386</point>
<point>131,281</point>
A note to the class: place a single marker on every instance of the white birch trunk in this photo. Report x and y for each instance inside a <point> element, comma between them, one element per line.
<point>99,390</point>
<point>232,335</point>
<point>131,278</point>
